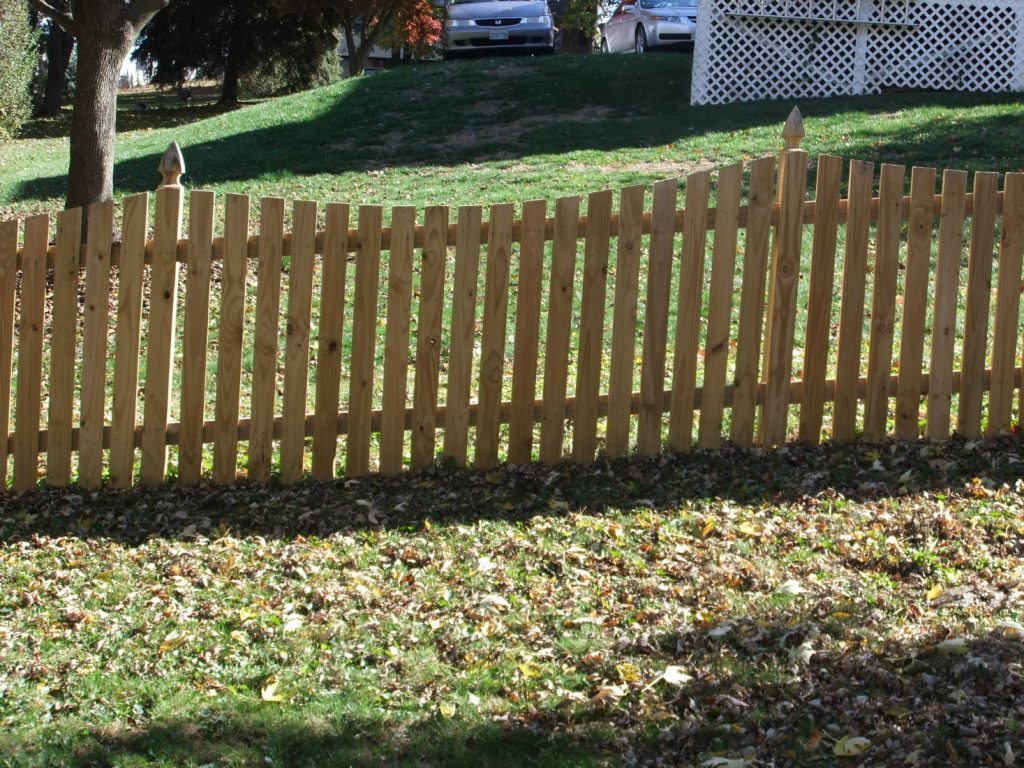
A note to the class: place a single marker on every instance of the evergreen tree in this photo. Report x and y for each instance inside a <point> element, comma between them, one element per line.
<point>236,39</point>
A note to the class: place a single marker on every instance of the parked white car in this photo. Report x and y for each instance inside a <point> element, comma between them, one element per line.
<point>637,25</point>
<point>498,25</point>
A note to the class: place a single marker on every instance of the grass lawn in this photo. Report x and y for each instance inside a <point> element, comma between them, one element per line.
<point>784,608</point>
<point>505,130</point>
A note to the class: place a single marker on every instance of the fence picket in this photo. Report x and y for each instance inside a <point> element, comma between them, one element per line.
<point>267,338</point>
<point>8,280</point>
<point>428,335</point>
<point>63,342</point>
<point>920,223</point>
<point>527,333</point>
<point>329,343</point>
<point>229,338</point>
<point>947,288</point>
<point>655,343</point>
<point>364,341</point>
<point>460,356</point>
<point>691,292</point>
<point>782,298</point>
<point>979,289</point>
<point>851,310</point>
<point>755,270</point>
<point>396,340</point>
<point>723,271</point>
<point>591,334</point>
<point>819,303</point>
<point>196,337</point>
<point>1004,342</point>
<point>127,334</point>
<point>94,345</point>
<point>30,352</point>
<point>492,359</point>
<point>163,307</point>
<point>556,348</point>
<point>883,300</point>
<point>623,355</point>
<point>296,351</point>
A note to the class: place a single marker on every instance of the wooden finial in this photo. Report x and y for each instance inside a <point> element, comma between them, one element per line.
<point>172,165</point>
<point>793,130</point>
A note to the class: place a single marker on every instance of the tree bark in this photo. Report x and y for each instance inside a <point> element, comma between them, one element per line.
<point>93,124</point>
<point>59,45</point>
<point>229,90</point>
<point>232,72</point>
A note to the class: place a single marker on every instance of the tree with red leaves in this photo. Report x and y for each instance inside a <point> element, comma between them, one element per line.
<point>389,23</point>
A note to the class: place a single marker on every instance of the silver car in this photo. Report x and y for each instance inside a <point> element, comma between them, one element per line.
<point>638,25</point>
<point>498,25</point>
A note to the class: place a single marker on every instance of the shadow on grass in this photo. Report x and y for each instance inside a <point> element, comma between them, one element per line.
<point>442,495</point>
<point>781,688</point>
<point>504,109</point>
<point>780,695</point>
<point>285,736</point>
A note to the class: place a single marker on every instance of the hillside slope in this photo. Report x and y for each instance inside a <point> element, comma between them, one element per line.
<point>511,129</point>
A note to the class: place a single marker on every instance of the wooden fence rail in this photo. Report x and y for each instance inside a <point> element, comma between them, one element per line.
<point>765,317</point>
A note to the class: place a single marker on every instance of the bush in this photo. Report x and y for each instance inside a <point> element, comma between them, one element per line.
<point>277,77</point>
<point>17,64</point>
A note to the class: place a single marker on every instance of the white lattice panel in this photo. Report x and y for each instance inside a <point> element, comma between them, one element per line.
<point>786,49</point>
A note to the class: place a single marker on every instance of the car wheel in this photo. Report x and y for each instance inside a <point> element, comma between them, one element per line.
<point>641,40</point>
<point>604,45</point>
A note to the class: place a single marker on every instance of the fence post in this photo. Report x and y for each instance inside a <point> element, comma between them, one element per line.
<point>782,282</point>
<point>172,166</point>
<point>163,305</point>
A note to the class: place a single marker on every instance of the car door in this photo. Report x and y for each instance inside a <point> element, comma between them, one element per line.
<point>624,29</point>
<point>611,26</point>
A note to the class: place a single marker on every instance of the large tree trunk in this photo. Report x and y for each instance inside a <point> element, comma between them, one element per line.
<point>59,45</point>
<point>91,173</point>
<point>232,72</point>
<point>229,90</point>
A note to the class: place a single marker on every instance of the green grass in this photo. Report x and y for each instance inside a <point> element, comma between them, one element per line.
<point>525,617</point>
<point>508,130</point>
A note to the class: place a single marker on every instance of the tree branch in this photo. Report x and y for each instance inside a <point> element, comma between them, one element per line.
<point>141,11</point>
<point>61,18</point>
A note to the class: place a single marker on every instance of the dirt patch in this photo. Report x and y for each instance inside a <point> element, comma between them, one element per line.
<point>659,168</point>
<point>512,132</point>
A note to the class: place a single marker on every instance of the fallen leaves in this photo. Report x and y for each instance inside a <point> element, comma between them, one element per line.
<point>734,603</point>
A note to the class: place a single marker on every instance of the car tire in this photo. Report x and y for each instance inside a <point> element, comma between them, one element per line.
<point>641,40</point>
<point>604,45</point>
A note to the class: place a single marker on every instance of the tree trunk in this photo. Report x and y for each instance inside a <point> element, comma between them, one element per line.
<point>59,45</point>
<point>357,55</point>
<point>91,173</point>
<point>232,72</point>
<point>229,91</point>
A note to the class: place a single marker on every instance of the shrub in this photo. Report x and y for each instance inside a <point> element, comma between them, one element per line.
<point>17,64</point>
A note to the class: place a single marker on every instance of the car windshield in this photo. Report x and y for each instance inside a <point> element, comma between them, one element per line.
<point>648,4</point>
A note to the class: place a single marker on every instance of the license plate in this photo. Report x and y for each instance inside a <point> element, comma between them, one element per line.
<point>499,34</point>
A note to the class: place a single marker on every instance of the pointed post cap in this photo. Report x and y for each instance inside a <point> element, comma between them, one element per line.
<point>172,165</point>
<point>793,130</point>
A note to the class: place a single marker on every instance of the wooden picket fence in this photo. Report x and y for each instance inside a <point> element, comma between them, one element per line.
<point>77,344</point>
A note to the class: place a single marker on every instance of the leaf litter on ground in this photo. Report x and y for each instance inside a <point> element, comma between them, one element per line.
<point>790,607</point>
